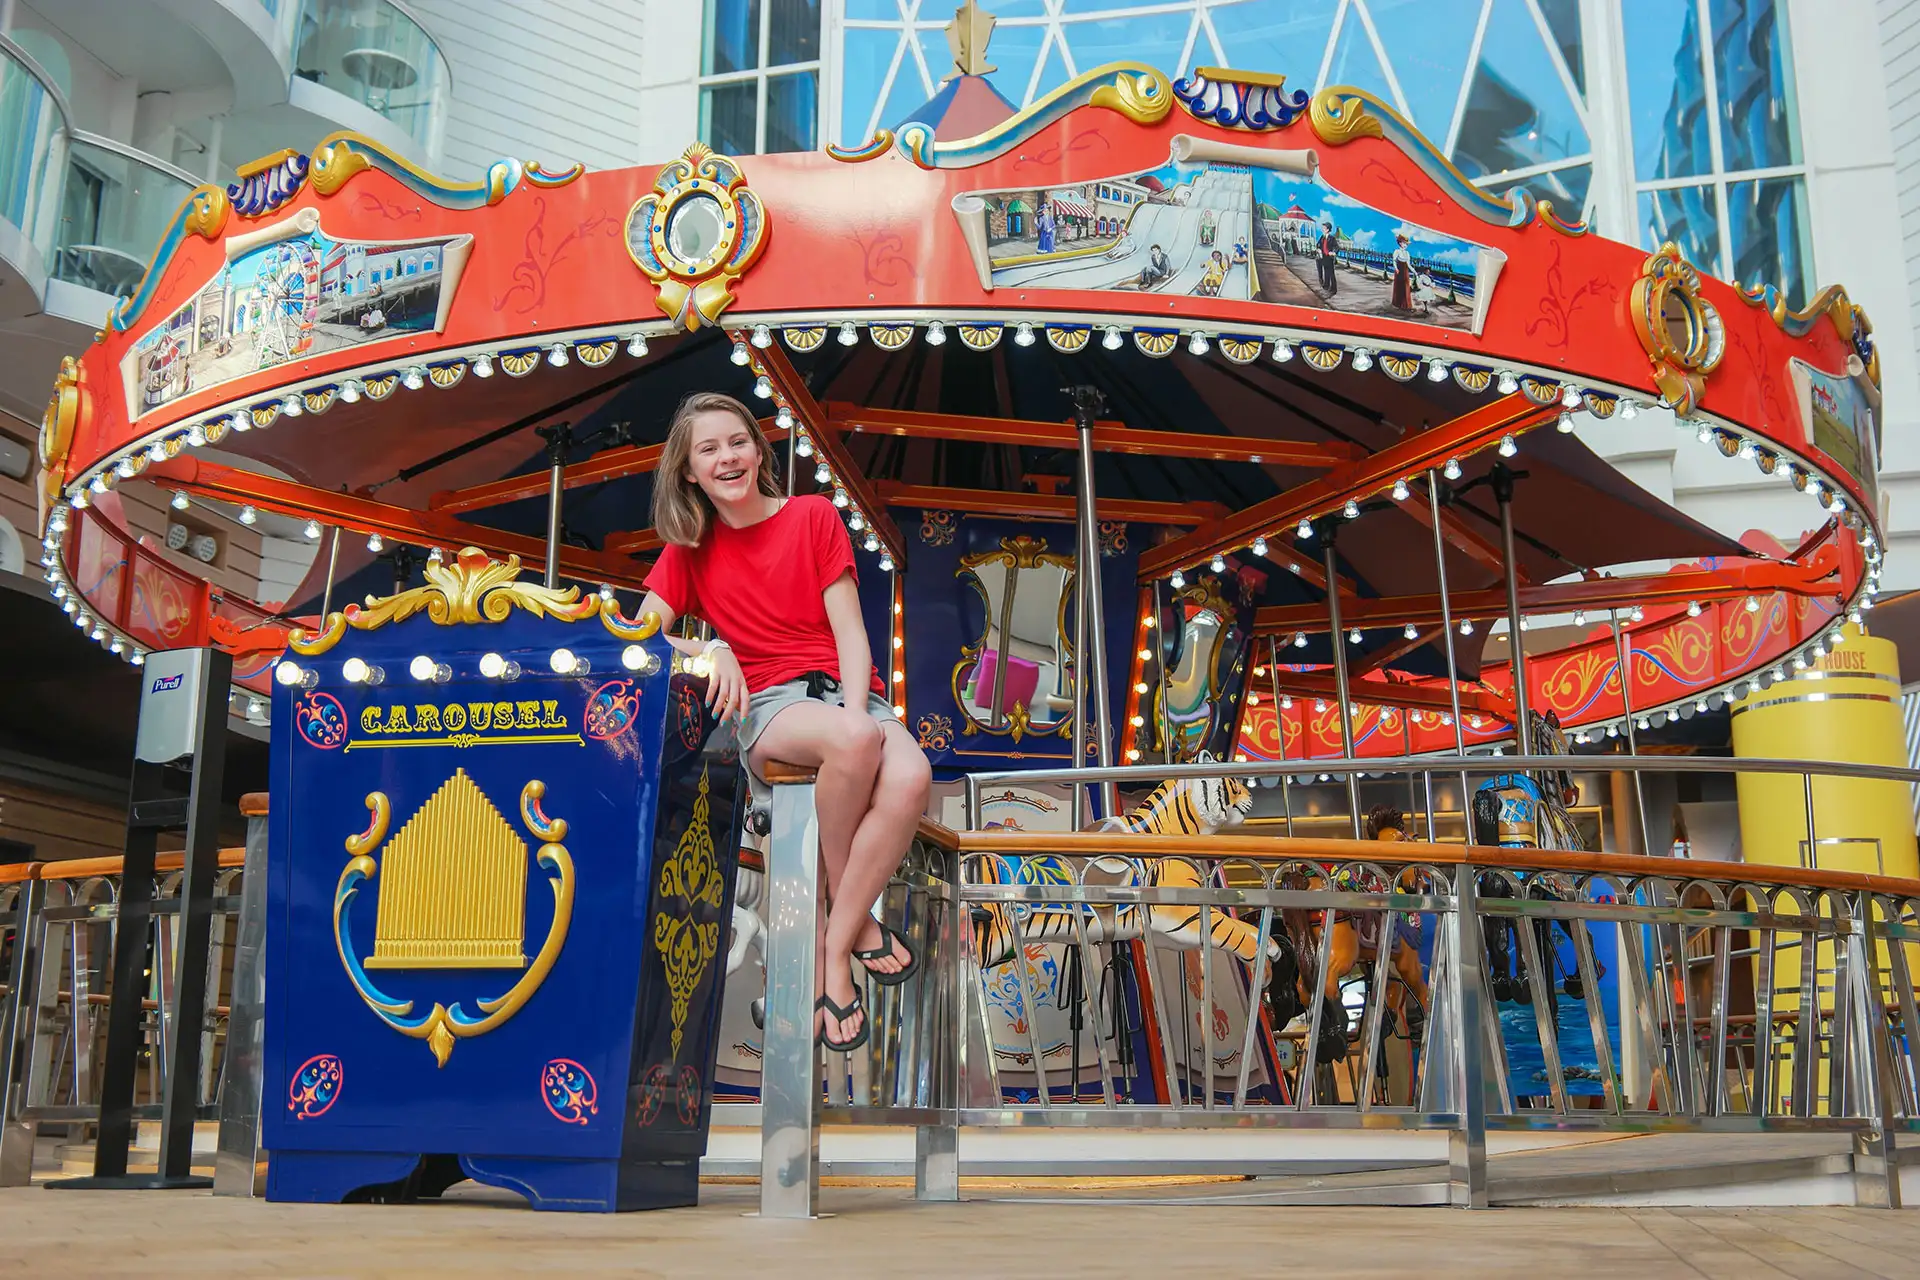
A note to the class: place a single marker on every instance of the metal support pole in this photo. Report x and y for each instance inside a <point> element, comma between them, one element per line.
<point>790,1064</point>
<point>1279,717</point>
<point>237,1167</point>
<point>1467,1145</point>
<point>1622,656</point>
<point>18,1010</point>
<point>1327,534</point>
<point>1446,635</point>
<point>1087,404</point>
<point>1503,478</point>
<point>559,438</point>
<point>333,565</point>
<point>1876,1159</point>
<point>1160,648</point>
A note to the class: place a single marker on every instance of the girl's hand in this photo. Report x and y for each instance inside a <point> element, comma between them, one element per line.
<point>727,686</point>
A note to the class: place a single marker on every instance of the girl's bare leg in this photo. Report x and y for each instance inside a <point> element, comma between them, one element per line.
<point>879,843</point>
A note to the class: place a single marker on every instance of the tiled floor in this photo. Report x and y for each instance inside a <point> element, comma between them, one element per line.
<point>882,1232</point>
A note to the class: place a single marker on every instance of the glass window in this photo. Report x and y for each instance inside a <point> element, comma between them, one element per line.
<point>1768,221</point>
<point>1282,36</point>
<point>727,116</point>
<point>733,36</point>
<point>1666,89</point>
<point>1687,217</point>
<point>793,32</point>
<point>1758,127</point>
<point>793,107</point>
<point>1566,187</point>
<point>1519,113</point>
<point>864,59</point>
<point>1427,43</point>
<point>1156,39</point>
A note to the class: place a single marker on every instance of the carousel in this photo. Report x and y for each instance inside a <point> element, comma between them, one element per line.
<point>1198,429</point>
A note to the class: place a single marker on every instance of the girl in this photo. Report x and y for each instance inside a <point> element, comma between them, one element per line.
<point>774,576</point>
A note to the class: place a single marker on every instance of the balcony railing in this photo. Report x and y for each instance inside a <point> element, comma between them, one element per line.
<point>118,203</point>
<point>374,52</point>
<point>33,144</point>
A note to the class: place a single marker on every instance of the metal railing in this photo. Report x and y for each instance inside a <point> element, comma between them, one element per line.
<point>1067,987</point>
<point>33,144</point>
<point>118,203</point>
<point>56,942</point>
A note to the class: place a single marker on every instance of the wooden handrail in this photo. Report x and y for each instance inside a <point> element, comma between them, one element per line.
<point>87,868</point>
<point>1280,848</point>
<point>253,804</point>
<point>19,872</point>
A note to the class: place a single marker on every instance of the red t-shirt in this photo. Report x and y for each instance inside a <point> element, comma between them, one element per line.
<point>762,588</point>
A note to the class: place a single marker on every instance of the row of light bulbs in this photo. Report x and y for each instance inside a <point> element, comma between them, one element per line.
<point>426,669</point>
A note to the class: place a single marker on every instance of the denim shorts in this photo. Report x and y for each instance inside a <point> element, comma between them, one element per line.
<point>763,706</point>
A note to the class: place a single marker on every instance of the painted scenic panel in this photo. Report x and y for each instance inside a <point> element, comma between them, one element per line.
<point>1838,420</point>
<point>1218,229</point>
<point>287,297</point>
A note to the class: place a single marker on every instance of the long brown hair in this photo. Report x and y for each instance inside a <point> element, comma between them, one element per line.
<point>682,512</point>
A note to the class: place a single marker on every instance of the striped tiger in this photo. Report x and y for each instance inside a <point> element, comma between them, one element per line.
<point>1195,807</point>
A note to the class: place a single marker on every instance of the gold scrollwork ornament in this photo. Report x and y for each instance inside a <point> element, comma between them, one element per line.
<point>1680,330</point>
<point>56,433</point>
<point>691,879</point>
<point>696,233</point>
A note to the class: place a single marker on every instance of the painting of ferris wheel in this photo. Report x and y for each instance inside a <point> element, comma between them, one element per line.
<point>295,296</point>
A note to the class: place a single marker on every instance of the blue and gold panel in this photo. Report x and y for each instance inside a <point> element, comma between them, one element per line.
<point>501,862</point>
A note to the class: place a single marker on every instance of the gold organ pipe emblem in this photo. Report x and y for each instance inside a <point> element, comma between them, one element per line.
<point>453,887</point>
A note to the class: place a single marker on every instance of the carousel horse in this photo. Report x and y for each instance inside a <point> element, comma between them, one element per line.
<point>1184,807</point>
<point>1528,811</point>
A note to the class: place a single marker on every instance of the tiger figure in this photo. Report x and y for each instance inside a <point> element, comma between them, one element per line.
<point>1192,807</point>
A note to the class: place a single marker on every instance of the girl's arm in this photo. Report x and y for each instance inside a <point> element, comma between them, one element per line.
<point>654,604</point>
<point>726,685</point>
<point>850,639</point>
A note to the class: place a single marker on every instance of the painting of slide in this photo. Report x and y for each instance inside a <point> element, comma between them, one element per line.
<point>1217,229</point>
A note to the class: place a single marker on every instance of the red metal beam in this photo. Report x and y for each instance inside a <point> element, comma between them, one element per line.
<point>790,386</point>
<point>1108,437</point>
<point>612,464</point>
<point>1393,652</point>
<point>633,542</point>
<point>1414,454</point>
<point>402,524</point>
<point>1678,587</point>
<point>1481,550</point>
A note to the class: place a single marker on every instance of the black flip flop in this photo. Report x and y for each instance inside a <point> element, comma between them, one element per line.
<point>841,1015</point>
<point>888,936</point>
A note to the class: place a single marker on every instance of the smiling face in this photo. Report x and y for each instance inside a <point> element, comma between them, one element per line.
<point>722,457</point>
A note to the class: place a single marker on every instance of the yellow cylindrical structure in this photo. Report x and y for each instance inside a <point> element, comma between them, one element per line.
<point>1845,708</point>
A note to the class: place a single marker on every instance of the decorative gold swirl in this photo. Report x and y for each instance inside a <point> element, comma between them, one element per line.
<point>474,589</point>
<point>207,211</point>
<point>382,810</point>
<point>334,166</point>
<point>690,878</point>
<point>56,432</point>
<point>300,641</point>
<point>1340,118</point>
<point>1574,682</point>
<point>1686,649</point>
<point>644,629</point>
<point>1144,98</point>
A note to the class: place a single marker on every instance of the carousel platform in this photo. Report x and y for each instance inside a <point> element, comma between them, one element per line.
<point>879,1230</point>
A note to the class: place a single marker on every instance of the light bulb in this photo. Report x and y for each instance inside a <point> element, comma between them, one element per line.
<point>840,498</point>
<point>291,674</point>
<point>374,542</point>
<point>1753,604</point>
<point>803,445</point>
<point>1299,639</point>
<point>1178,580</point>
<point>1260,547</point>
<point>1400,491</point>
<point>483,365</point>
<point>1579,617</point>
<point>312,530</point>
<point>1320,704</point>
<point>1644,723</point>
<point>1112,341</point>
<point>565,663</point>
<point>137,658</point>
<point>1693,608</point>
<point>1197,344</point>
<point>1629,409</point>
<point>1466,626</point>
<point>1352,510</point>
<point>1353,636</point>
<point>1411,632</point>
<point>1218,564</point>
<point>1637,614</point>
<point>1507,446</point>
<point>1140,686</point>
<point>740,353</point>
<point>1253,699</point>
<point>1452,470</point>
<point>425,670</point>
<point>1746,450</point>
<point>1700,706</point>
<point>762,387</point>
<point>936,334</point>
<point>1023,334</point>
<point>1570,396</point>
<point>1613,731</point>
<point>249,516</point>
<point>1704,435</point>
<point>1282,351</point>
<point>856,522</point>
<point>495,667</point>
<point>762,336</point>
<point>871,543</point>
<point>1524,624</point>
<point>435,556</point>
<point>179,501</point>
<point>886,562</point>
<point>1508,383</point>
<point>783,419</point>
<point>557,355</point>
<point>98,484</point>
<point>1565,425</point>
<point>1305,531</point>
<point>1138,721</point>
<point>1286,702</point>
<point>125,470</point>
<point>360,671</point>
<point>848,334</point>
<point>823,474</point>
<point>157,452</point>
<point>1436,369</point>
<point>636,658</point>
<point>415,377</point>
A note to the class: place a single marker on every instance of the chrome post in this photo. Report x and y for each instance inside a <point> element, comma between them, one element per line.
<point>1087,401</point>
<point>1503,478</point>
<point>333,564</point>
<point>936,1164</point>
<point>1467,1144</point>
<point>559,438</point>
<point>1623,655</point>
<point>1327,558</point>
<point>1160,647</point>
<point>790,1068</point>
<point>1876,1160</point>
<point>237,1167</point>
<point>1446,634</point>
<point>18,1013</point>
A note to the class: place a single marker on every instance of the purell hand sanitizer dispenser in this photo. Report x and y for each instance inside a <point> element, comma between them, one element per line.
<point>179,759</point>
